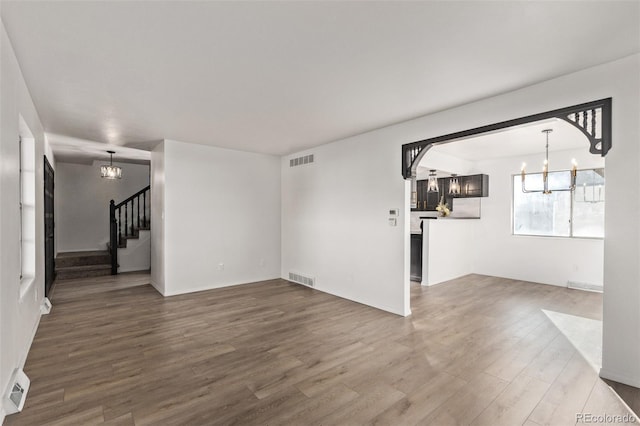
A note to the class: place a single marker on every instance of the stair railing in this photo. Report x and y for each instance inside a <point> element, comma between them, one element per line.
<point>130,228</point>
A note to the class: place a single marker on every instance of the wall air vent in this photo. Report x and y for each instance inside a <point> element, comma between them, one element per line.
<point>301,279</point>
<point>306,159</point>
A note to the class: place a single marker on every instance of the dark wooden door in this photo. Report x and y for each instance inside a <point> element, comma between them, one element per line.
<point>49,228</point>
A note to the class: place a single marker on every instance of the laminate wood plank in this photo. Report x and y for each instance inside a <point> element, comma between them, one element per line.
<point>548,364</point>
<point>629,394</point>
<point>606,407</point>
<point>364,409</point>
<point>476,349</point>
<point>567,395</point>
<point>123,420</point>
<point>468,402</point>
<point>418,404</point>
<point>316,410</point>
<point>514,405</point>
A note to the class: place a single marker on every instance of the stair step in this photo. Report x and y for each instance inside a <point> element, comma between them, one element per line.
<point>82,258</point>
<point>84,271</point>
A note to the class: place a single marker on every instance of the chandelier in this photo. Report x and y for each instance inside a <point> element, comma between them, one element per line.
<point>110,171</point>
<point>545,172</point>
<point>432,185</point>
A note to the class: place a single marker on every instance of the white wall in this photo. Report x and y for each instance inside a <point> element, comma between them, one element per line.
<point>82,202</point>
<point>19,316</point>
<point>157,210</point>
<point>137,255</point>
<point>335,220</point>
<point>222,207</point>
<point>448,249</point>
<point>359,177</point>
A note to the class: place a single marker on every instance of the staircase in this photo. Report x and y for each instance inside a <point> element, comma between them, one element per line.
<point>126,220</point>
<point>82,264</point>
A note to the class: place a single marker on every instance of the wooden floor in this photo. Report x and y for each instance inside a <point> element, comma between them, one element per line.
<point>477,350</point>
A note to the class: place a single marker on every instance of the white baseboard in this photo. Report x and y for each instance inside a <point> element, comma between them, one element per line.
<point>620,378</point>
<point>23,361</point>
<point>206,287</point>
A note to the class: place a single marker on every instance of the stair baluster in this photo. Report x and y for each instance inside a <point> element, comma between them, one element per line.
<point>113,236</point>
<point>119,226</point>
<point>138,203</point>
<point>132,222</point>
<point>126,221</point>
<point>144,209</point>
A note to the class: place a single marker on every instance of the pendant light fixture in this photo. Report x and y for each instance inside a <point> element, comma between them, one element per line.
<point>454,185</point>
<point>432,185</point>
<point>110,171</point>
<point>545,172</point>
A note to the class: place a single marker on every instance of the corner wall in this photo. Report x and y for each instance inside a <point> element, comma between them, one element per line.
<point>19,316</point>
<point>157,211</point>
<point>221,217</point>
<point>335,225</point>
<point>547,260</point>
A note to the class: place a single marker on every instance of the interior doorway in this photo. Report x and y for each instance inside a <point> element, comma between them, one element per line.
<point>49,228</point>
<point>591,121</point>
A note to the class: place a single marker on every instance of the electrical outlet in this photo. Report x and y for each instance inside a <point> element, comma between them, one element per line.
<point>262,262</point>
<point>220,266</point>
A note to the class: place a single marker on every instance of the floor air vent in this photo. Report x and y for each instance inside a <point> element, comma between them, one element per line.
<point>301,279</point>
<point>17,393</point>
<point>306,159</point>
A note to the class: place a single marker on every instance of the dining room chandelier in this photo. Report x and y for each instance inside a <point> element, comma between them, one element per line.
<point>545,173</point>
<point>110,171</point>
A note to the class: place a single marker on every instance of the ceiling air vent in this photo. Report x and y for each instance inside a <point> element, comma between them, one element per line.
<point>306,159</point>
<point>301,279</point>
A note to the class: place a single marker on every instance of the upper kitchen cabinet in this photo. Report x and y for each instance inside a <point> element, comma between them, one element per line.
<point>427,201</point>
<point>474,186</point>
<point>470,187</point>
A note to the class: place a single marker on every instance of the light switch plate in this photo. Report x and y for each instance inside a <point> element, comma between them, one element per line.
<point>392,221</point>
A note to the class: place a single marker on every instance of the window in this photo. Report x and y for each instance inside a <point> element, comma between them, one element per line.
<point>562,213</point>
<point>27,207</point>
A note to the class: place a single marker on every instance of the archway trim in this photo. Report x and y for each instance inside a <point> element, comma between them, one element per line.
<point>593,119</point>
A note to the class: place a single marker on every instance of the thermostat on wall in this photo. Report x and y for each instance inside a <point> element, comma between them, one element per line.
<point>393,212</point>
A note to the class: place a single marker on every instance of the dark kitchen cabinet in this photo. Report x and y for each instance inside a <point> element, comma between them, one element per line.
<point>474,186</point>
<point>427,201</point>
<point>470,187</point>
<point>416,257</point>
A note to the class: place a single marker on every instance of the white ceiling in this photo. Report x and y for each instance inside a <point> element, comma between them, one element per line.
<point>516,141</point>
<point>72,150</point>
<point>277,77</point>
